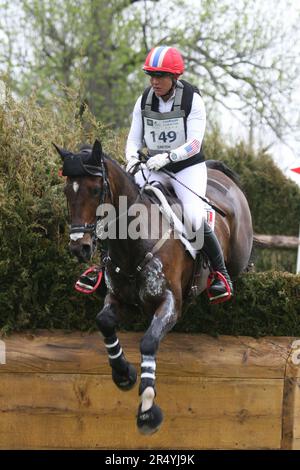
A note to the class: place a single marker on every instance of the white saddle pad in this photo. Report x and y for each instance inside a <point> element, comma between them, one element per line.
<point>170,215</point>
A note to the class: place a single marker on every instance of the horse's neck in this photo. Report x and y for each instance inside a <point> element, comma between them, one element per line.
<point>121,185</point>
<point>125,194</point>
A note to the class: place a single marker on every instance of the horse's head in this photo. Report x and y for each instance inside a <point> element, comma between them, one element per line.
<point>85,189</point>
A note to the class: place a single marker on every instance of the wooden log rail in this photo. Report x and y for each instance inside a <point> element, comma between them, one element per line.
<point>276,241</point>
<point>216,393</point>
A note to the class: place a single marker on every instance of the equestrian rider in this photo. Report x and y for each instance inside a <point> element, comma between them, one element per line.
<point>169,118</point>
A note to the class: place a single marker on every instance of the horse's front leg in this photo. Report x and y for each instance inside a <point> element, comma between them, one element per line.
<point>150,416</point>
<point>123,373</point>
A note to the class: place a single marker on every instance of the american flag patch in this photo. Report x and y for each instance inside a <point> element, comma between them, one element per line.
<point>192,148</point>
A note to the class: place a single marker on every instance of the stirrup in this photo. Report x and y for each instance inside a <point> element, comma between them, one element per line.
<point>217,299</point>
<point>89,281</point>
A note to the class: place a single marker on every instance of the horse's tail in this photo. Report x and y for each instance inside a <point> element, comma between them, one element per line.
<point>218,165</point>
<point>251,262</point>
<point>257,243</point>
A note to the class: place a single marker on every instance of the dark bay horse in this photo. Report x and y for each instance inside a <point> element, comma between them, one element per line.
<point>152,273</point>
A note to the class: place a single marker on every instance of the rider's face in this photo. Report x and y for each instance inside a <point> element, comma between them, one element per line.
<point>161,85</point>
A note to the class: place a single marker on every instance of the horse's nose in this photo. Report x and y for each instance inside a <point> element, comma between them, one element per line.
<point>82,251</point>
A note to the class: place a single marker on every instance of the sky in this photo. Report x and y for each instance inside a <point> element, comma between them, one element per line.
<point>286,155</point>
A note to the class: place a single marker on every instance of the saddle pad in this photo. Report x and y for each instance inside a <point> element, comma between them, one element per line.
<point>172,218</point>
<point>168,193</point>
<point>210,216</point>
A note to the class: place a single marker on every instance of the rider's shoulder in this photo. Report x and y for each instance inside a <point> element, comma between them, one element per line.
<point>193,88</point>
<point>138,102</point>
<point>197,100</point>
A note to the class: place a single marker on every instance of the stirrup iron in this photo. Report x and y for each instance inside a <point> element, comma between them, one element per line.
<point>89,281</point>
<point>222,297</point>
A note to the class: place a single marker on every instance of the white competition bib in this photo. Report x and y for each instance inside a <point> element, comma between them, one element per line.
<point>164,134</point>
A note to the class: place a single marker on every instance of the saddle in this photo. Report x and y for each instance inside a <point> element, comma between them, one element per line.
<point>173,215</point>
<point>168,193</point>
<point>201,260</point>
<point>173,201</point>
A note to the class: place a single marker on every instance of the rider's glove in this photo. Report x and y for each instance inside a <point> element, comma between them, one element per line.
<point>132,163</point>
<point>158,161</point>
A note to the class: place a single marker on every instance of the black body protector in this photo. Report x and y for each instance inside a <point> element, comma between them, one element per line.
<point>164,132</point>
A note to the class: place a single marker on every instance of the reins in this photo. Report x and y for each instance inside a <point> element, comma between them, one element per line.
<point>171,175</point>
<point>96,229</point>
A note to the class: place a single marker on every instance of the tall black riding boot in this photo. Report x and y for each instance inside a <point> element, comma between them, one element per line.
<point>212,248</point>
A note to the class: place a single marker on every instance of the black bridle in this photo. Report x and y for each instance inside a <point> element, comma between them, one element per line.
<point>101,170</point>
<point>91,170</point>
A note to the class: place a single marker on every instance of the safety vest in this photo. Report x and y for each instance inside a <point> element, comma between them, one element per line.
<point>164,132</point>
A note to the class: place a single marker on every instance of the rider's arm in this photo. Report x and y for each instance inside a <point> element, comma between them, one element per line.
<point>196,123</point>
<point>135,136</point>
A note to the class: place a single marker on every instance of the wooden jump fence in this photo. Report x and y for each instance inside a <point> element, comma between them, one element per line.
<point>216,393</point>
<point>277,241</point>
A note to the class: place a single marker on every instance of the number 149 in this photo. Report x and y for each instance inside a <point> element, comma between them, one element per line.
<point>163,136</point>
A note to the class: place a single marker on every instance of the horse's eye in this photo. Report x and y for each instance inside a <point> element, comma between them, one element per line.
<point>96,191</point>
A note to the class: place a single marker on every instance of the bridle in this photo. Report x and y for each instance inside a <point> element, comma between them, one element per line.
<point>93,229</point>
<point>93,170</point>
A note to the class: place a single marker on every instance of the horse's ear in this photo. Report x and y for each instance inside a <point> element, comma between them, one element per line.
<point>96,153</point>
<point>62,152</point>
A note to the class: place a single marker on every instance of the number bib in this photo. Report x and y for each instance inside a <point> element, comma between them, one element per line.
<point>163,131</point>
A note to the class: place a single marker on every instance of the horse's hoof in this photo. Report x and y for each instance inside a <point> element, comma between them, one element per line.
<point>148,422</point>
<point>127,381</point>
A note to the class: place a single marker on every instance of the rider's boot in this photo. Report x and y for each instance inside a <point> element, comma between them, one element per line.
<point>220,288</point>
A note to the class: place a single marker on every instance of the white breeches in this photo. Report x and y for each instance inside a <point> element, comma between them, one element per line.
<point>195,177</point>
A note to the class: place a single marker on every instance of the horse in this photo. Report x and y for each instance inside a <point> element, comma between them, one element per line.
<point>155,273</point>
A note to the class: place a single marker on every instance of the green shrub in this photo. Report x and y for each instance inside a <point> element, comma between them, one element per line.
<point>264,304</point>
<point>36,271</point>
<point>274,200</point>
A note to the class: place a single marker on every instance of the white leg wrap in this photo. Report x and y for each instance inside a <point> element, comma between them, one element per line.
<point>147,398</point>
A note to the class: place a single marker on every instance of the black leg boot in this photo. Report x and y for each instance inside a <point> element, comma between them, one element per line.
<point>212,248</point>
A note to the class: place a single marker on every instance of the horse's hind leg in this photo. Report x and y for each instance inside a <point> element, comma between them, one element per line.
<point>123,373</point>
<point>150,416</point>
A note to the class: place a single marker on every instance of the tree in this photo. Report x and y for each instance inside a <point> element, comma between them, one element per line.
<point>82,44</point>
<point>240,52</point>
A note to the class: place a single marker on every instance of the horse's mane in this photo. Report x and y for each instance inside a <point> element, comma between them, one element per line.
<point>117,164</point>
<point>220,166</point>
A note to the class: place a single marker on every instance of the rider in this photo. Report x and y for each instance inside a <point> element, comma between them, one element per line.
<point>169,118</point>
